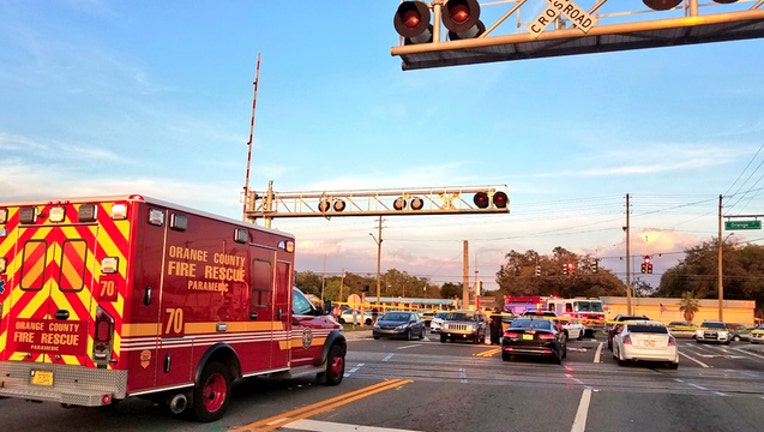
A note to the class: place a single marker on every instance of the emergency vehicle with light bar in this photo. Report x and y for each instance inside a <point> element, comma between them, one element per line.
<point>588,311</point>
<point>111,297</point>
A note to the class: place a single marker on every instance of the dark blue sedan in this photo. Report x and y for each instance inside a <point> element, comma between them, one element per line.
<point>406,325</point>
<point>533,337</point>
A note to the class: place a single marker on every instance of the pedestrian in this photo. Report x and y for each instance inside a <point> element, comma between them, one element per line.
<point>374,315</point>
<point>496,327</point>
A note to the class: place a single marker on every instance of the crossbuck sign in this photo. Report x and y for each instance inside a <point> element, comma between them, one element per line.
<point>554,9</point>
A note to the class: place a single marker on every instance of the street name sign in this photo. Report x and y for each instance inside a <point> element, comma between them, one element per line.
<point>738,225</point>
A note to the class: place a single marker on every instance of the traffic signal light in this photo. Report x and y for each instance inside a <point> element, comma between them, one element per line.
<point>567,269</point>
<point>499,199</point>
<point>412,21</point>
<point>647,264</point>
<point>415,203</point>
<point>538,271</point>
<point>462,19</point>
<point>595,265</point>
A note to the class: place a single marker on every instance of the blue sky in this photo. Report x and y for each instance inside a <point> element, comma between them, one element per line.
<point>106,97</point>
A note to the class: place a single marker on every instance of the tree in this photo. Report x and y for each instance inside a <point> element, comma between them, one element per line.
<point>451,290</point>
<point>689,306</point>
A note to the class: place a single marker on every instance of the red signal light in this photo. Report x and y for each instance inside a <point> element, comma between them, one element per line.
<point>412,21</point>
<point>500,200</point>
<point>460,13</point>
<point>481,200</point>
<point>462,19</point>
<point>662,5</point>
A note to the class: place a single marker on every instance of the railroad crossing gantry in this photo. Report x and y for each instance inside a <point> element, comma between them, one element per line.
<point>380,202</point>
<point>545,28</point>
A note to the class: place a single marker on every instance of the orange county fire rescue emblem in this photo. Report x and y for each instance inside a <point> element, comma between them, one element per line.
<point>145,358</point>
<point>307,338</point>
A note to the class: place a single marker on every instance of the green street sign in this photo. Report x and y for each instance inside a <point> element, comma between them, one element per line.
<point>738,225</point>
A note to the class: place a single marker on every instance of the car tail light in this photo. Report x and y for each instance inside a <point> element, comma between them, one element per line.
<point>511,334</point>
<point>546,336</point>
<point>627,340</point>
<point>672,341</point>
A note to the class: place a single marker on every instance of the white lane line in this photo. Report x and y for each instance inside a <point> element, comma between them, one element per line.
<point>579,423</point>
<point>354,370</point>
<point>694,359</point>
<point>325,426</point>
<point>409,346</point>
<point>463,375</point>
<point>598,352</point>
<point>388,357</point>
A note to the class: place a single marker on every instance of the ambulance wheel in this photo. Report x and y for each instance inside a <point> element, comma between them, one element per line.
<point>212,393</point>
<point>335,367</point>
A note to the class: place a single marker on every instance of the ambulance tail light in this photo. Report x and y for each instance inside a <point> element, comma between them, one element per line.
<point>56,214</point>
<point>103,336</point>
<point>3,264</point>
<point>3,216</point>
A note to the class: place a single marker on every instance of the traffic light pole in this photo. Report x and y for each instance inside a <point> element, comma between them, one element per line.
<point>627,228</point>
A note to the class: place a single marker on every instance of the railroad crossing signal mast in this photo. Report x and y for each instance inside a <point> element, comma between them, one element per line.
<point>454,32</point>
<point>382,202</point>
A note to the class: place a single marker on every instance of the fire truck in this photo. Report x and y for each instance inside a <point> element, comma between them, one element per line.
<point>587,310</point>
<point>106,298</point>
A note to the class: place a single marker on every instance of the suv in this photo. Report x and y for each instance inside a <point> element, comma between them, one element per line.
<point>464,325</point>
<point>616,327</point>
<point>713,331</point>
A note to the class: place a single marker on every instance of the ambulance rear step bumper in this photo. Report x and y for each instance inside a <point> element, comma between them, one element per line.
<point>72,385</point>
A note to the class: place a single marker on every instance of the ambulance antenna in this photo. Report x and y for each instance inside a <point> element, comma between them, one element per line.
<point>249,143</point>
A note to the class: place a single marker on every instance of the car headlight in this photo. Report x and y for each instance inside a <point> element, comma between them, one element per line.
<point>402,327</point>
<point>376,325</point>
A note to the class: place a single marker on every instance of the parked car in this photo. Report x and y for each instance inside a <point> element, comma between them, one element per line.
<point>712,331</point>
<point>646,341</point>
<point>757,334</point>
<point>739,332</point>
<point>427,316</point>
<point>403,324</point>
<point>467,325</point>
<point>529,336</point>
<point>350,316</point>
<point>573,328</point>
<point>618,321</point>
<point>682,329</point>
<point>437,321</point>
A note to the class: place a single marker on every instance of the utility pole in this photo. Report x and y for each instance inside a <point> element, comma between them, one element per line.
<point>342,283</point>
<point>466,274</point>
<point>719,282</point>
<point>378,240</point>
<point>627,228</point>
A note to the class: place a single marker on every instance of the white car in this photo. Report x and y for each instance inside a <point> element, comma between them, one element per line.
<point>354,317</point>
<point>646,341</point>
<point>712,331</point>
<point>437,322</point>
<point>574,328</point>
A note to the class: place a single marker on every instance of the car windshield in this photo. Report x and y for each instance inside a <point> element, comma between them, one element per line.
<point>647,329</point>
<point>717,325</point>
<point>396,316</point>
<point>588,306</point>
<point>526,323</point>
<point>441,315</point>
<point>460,316</point>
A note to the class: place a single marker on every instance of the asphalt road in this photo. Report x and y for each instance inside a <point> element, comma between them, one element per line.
<point>429,386</point>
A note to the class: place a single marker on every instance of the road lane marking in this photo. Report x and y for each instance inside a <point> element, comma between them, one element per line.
<point>324,426</point>
<point>280,420</point>
<point>354,370</point>
<point>598,352</point>
<point>694,359</point>
<point>463,375</point>
<point>700,387</point>
<point>579,423</point>
<point>389,356</point>
<point>488,353</point>
<point>409,346</point>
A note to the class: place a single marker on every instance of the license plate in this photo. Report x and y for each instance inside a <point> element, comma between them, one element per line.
<point>527,337</point>
<point>650,343</point>
<point>42,377</point>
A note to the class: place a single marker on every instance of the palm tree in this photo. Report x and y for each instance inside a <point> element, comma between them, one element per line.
<point>689,305</point>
